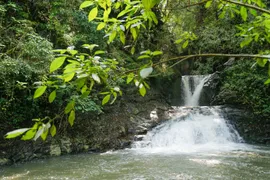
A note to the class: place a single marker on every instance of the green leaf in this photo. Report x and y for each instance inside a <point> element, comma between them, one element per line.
<point>52,96</point>
<point>69,107</point>
<point>268,69</point>
<point>53,130</point>
<point>134,33</point>
<point>86,4</point>
<point>57,63</point>
<point>144,57</point>
<point>144,73</point>
<point>101,26</point>
<point>132,50</point>
<point>99,52</point>
<point>71,118</point>
<point>112,36</point>
<point>246,42</point>
<point>156,53</point>
<point>122,37</point>
<point>115,97</point>
<point>178,41</point>
<point>39,91</point>
<point>96,78</point>
<point>243,12</point>
<point>106,99</point>
<point>16,133</point>
<point>142,91</point>
<point>185,44</point>
<point>93,14</point>
<point>130,77</point>
<point>29,134</point>
<point>267,81</point>
<point>267,23</point>
<point>261,62</point>
<point>45,131</point>
<point>39,132</point>
<point>68,77</point>
<point>208,4</point>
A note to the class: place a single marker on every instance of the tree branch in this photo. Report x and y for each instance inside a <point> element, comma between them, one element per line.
<point>248,5</point>
<point>186,57</point>
<point>182,58</point>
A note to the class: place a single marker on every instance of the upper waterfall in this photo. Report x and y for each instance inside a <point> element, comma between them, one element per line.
<point>192,87</point>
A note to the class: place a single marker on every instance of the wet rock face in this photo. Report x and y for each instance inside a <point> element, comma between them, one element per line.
<point>114,129</point>
<point>210,90</point>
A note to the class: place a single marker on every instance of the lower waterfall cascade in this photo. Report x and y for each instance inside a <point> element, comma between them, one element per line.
<point>192,128</point>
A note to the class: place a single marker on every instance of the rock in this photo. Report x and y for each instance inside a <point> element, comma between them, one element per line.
<point>66,145</point>
<point>55,150</point>
<point>4,161</point>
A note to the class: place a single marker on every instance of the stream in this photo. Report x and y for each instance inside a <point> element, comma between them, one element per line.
<point>250,162</point>
<point>196,143</point>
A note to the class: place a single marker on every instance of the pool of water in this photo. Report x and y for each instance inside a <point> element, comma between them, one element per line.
<point>251,162</point>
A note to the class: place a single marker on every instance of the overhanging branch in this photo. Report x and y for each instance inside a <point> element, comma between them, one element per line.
<point>186,57</point>
<point>248,5</point>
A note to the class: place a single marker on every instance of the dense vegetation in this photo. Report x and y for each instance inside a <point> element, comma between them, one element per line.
<point>80,76</point>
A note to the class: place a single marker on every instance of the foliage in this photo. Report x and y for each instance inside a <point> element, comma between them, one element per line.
<point>83,74</point>
<point>247,80</point>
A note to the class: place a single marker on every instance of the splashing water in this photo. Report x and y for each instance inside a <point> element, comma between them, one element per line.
<point>199,129</point>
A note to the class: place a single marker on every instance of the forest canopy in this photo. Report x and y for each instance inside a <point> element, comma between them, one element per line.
<point>103,45</point>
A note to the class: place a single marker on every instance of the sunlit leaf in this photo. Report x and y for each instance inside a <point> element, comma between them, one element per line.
<point>106,99</point>
<point>155,53</point>
<point>69,107</point>
<point>96,78</point>
<point>101,26</point>
<point>16,133</point>
<point>208,4</point>
<point>144,73</point>
<point>262,62</point>
<point>142,91</point>
<point>86,4</point>
<point>185,44</point>
<point>57,63</point>
<point>144,57</point>
<point>39,91</point>
<point>71,118</point>
<point>267,81</point>
<point>243,12</point>
<point>53,130</point>
<point>93,14</point>
<point>130,77</point>
<point>39,132</point>
<point>52,96</point>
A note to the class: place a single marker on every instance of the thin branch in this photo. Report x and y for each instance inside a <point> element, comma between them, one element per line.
<point>248,5</point>
<point>186,57</point>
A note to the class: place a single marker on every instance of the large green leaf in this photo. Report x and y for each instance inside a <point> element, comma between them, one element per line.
<point>16,133</point>
<point>243,12</point>
<point>39,91</point>
<point>57,63</point>
<point>86,4</point>
<point>93,14</point>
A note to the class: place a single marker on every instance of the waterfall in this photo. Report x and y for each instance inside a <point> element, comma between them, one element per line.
<point>192,128</point>
<point>192,87</point>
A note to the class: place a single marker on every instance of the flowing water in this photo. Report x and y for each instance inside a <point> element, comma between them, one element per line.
<point>192,87</point>
<point>197,143</point>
